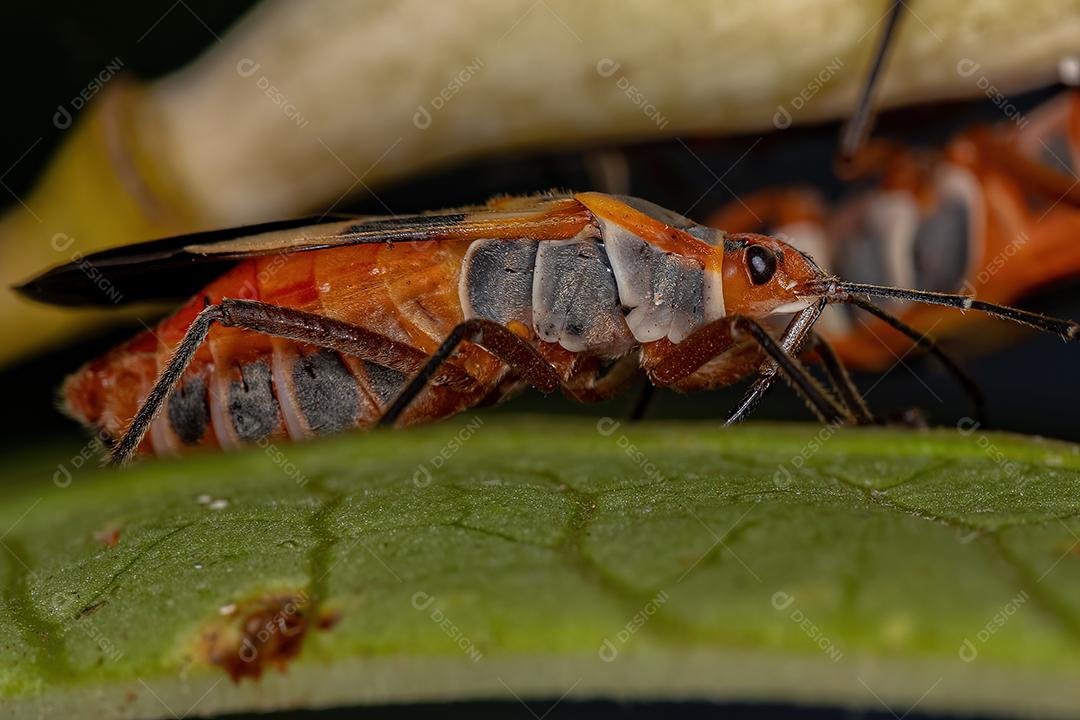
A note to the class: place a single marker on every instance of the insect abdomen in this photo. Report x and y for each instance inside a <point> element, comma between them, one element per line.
<point>290,391</point>
<point>244,387</point>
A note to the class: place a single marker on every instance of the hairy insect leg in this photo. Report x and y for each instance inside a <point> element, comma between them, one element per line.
<point>493,337</point>
<point>791,341</point>
<point>816,398</point>
<point>762,384</point>
<point>619,376</point>
<point>270,320</point>
<point>165,384</point>
<point>714,339</point>
<point>841,381</point>
<point>604,384</point>
<point>839,378</point>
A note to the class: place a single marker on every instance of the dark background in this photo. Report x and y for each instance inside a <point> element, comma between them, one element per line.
<point>51,48</point>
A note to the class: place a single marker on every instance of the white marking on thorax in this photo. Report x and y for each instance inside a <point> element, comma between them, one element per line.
<point>668,295</point>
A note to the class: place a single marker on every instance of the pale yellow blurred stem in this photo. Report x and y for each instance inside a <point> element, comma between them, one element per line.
<point>305,103</point>
<point>103,187</point>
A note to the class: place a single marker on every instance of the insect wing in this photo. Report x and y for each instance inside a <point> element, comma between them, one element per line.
<point>175,268</point>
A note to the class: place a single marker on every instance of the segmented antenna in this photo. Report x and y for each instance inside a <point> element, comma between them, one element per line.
<point>837,291</point>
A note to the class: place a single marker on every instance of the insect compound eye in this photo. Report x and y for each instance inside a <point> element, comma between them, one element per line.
<point>762,264</point>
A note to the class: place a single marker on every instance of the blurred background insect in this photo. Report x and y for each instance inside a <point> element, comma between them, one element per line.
<point>995,214</point>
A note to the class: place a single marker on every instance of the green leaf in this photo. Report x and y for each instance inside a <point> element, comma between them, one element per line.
<point>494,558</point>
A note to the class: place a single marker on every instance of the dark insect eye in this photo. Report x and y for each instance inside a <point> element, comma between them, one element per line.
<point>762,264</point>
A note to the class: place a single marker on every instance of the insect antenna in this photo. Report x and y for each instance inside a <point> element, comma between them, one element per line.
<point>837,291</point>
<point>978,400</point>
<point>855,131</point>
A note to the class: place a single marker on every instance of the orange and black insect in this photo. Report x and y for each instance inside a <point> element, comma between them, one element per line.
<point>397,321</point>
<point>994,214</point>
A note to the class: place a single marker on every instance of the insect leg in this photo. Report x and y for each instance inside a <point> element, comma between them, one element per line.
<point>619,376</point>
<point>604,384</point>
<point>491,336</point>
<point>713,339</point>
<point>165,384</point>
<point>854,133</point>
<point>643,401</point>
<point>841,381</point>
<point>270,320</point>
<point>817,398</point>
<point>978,400</point>
<point>792,340</point>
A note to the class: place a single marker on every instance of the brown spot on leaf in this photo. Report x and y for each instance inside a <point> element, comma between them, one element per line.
<point>328,619</point>
<point>261,633</point>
